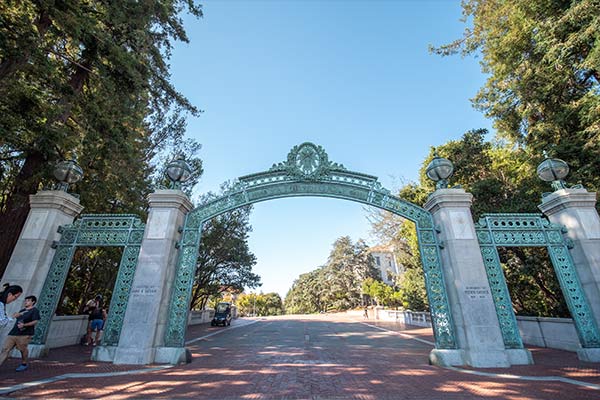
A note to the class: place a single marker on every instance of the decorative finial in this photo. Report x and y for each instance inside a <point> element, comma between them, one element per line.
<point>439,170</point>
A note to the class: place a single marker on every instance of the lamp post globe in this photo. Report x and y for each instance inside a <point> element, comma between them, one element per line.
<point>67,172</point>
<point>178,172</point>
<point>439,170</point>
<point>553,170</point>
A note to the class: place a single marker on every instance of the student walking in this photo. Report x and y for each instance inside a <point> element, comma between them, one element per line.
<point>22,332</point>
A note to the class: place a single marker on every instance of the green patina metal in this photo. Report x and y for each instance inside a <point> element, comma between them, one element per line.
<point>122,230</point>
<point>531,230</point>
<point>308,172</point>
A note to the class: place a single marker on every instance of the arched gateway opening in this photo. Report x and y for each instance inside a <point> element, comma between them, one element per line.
<point>308,172</point>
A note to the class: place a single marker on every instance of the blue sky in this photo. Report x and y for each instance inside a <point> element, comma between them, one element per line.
<point>355,77</point>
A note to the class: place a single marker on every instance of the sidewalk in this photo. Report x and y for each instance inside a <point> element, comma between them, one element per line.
<point>548,362</point>
<point>75,360</point>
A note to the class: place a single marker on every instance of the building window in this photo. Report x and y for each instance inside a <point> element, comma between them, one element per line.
<point>377,261</point>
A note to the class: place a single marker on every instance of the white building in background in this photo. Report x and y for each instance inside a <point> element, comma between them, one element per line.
<point>385,262</point>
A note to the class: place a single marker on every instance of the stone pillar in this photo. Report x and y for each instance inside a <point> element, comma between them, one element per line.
<point>575,209</point>
<point>32,256</point>
<point>477,328</point>
<point>147,310</point>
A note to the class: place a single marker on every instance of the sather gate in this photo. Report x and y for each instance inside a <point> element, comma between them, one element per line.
<point>149,311</point>
<point>308,172</point>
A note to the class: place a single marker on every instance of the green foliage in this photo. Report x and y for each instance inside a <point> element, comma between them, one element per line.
<point>260,305</point>
<point>412,292</point>
<point>383,294</point>
<point>543,93</point>
<point>93,271</point>
<point>532,283</point>
<point>335,286</point>
<point>88,79</point>
<point>224,259</point>
<point>501,178</point>
<point>543,64</point>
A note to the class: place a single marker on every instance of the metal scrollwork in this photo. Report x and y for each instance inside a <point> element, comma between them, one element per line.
<point>308,172</point>
<point>528,230</point>
<point>124,230</point>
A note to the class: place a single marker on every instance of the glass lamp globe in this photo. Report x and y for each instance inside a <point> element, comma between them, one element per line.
<point>67,173</point>
<point>439,170</point>
<point>553,169</point>
<point>178,171</point>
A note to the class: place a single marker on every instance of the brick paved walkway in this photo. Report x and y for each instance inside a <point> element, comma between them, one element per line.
<point>316,357</point>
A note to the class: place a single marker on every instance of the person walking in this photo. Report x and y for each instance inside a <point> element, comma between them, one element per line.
<point>8,296</point>
<point>22,332</point>
<point>96,324</point>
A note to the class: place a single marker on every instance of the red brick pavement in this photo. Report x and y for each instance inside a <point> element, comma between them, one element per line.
<point>73,359</point>
<point>306,362</point>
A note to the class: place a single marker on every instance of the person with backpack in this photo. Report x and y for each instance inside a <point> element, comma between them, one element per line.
<point>96,321</point>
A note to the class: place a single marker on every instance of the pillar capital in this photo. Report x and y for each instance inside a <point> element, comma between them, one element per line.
<point>170,198</point>
<point>453,198</point>
<point>567,198</point>
<point>56,200</point>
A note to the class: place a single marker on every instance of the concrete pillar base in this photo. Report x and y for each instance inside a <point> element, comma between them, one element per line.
<point>104,353</point>
<point>446,358</point>
<point>480,359</point>
<point>589,354</point>
<point>487,359</point>
<point>519,357</point>
<point>37,350</point>
<point>132,355</point>
<point>173,355</point>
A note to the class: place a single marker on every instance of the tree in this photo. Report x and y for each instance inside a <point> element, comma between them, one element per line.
<point>260,304</point>
<point>338,284</point>
<point>93,271</point>
<point>543,64</point>
<point>224,260</point>
<point>88,79</point>
<point>383,294</point>
<point>502,179</point>
<point>349,264</point>
<point>307,294</point>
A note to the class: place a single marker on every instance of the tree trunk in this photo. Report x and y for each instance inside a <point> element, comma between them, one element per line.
<point>17,207</point>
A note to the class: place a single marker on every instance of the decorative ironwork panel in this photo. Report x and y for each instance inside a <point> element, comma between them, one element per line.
<point>529,230</point>
<point>93,230</point>
<point>308,172</point>
<point>501,298</point>
<point>120,295</point>
<point>441,316</point>
<point>575,296</point>
<point>182,288</point>
<point>51,291</point>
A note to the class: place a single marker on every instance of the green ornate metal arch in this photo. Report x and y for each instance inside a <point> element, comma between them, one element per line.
<point>123,230</point>
<point>308,172</point>
<point>532,230</point>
